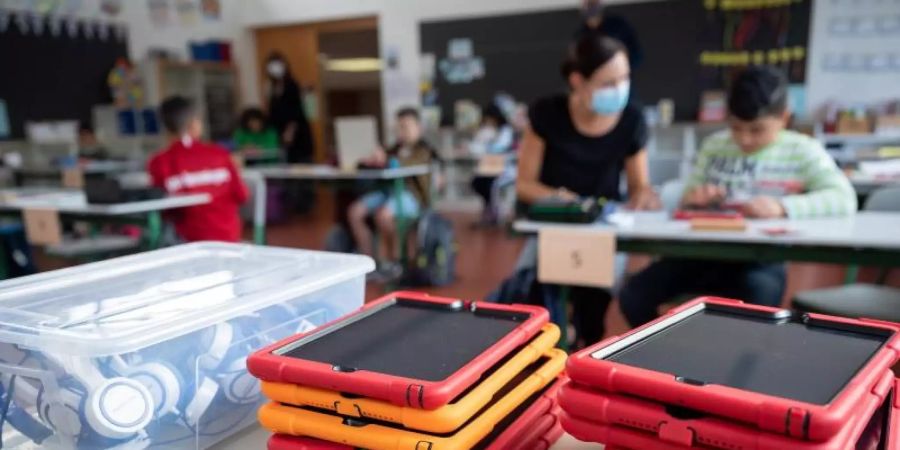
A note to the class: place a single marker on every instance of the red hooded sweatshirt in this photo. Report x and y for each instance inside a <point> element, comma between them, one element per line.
<point>195,167</point>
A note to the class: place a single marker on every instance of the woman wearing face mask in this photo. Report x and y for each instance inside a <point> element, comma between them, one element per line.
<point>286,111</point>
<point>579,143</point>
<point>286,114</point>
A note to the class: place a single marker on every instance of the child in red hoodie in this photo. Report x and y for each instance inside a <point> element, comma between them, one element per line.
<point>190,166</point>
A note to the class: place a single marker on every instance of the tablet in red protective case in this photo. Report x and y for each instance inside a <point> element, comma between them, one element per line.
<point>747,363</point>
<point>697,430</point>
<point>409,349</point>
<point>285,442</point>
<point>532,425</point>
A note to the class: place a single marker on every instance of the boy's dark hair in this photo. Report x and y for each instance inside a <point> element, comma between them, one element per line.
<point>758,91</point>
<point>250,114</point>
<point>176,113</point>
<point>408,112</point>
<point>590,52</point>
<point>492,111</point>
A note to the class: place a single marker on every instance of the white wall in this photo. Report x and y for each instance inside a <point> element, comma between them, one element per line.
<point>858,85</point>
<point>398,25</point>
<point>144,35</point>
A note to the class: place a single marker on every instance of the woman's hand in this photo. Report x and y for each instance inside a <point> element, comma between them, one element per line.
<point>704,196</point>
<point>644,199</point>
<point>764,207</point>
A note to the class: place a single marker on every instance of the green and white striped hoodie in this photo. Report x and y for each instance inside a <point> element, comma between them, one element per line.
<point>795,168</point>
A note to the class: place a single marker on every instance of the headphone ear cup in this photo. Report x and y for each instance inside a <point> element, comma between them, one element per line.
<point>164,383</point>
<point>238,385</point>
<point>118,408</point>
<point>203,399</point>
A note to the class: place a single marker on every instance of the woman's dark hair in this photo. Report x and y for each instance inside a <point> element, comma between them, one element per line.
<point>251,114</point>
<point>176,113</point>
<point>590,52</point>
<point>492,111</point>
<point>758,91</point>
<point>408,111</point>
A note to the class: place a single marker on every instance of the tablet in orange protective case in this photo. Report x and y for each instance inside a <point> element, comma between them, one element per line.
<point>441,420</point>
<point>375,435</point>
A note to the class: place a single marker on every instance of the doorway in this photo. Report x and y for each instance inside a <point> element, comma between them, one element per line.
<point>336,63</point>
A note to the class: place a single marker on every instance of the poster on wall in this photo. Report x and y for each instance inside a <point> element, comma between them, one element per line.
<point>160,12</point>
<point>187,12</point>
<point>211,9</point>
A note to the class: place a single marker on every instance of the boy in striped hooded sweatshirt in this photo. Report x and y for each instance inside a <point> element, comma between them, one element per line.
<point>771,173</point>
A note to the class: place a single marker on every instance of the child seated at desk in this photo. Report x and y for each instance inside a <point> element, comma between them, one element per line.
<point>256,138</point>
<point>190,166</point>
<point>381,205</point>
<point>770,173</point>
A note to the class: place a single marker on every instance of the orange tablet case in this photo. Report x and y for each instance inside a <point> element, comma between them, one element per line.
<point>442,420</point>
<point>324,425</point>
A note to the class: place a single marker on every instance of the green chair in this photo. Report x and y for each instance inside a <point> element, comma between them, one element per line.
<point>873,301</point>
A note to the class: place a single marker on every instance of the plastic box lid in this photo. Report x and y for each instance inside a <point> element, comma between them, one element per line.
<point>125,304</point>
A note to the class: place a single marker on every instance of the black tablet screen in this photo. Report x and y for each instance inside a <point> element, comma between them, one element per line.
<point>409,339</point>
<point>778,357</point>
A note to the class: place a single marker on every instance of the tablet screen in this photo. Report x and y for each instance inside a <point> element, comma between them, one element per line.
<point>772,355</point>
<point>408,338</point>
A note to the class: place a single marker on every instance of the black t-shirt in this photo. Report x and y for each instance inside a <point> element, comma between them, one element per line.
<point>588,166</point>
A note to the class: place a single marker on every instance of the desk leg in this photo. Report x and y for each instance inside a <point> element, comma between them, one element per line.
<point>852,274</point>
<point>401,221</point>
<point>154,230</point>
<point>558,306</point>
<point>259,213</point>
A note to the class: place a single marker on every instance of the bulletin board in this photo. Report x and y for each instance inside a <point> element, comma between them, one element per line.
<point>56,70</point>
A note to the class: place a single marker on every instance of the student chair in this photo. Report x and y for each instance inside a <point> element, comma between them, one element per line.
<point>874,301</point>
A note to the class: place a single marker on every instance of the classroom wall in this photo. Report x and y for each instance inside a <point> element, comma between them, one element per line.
<point>144,35</point>
<point>856,83</point>
<point>398,28</point>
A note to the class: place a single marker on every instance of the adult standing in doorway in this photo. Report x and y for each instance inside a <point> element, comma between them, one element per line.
<point>287,115</point>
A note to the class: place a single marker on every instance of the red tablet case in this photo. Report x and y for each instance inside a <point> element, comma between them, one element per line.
<point>893,440</point>
<point>285,442</point>
<point>652,420</point>
<point>777,415</point>
<point>538,420</point>
<point>401,391</point>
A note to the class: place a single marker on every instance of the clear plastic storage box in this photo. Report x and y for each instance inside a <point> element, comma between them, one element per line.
<point>149,351</point>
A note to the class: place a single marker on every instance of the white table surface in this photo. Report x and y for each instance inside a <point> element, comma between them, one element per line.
<point>325,172</point>
<point>865,230</point>
<point>74,202</point>
<point>255,438</point>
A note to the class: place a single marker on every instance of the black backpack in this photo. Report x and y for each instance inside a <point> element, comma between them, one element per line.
<point>434,263</point>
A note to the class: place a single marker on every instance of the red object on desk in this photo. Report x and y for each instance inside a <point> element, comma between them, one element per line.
<point>399,390</point>
<point>769,413</point>
<point>689,214</point>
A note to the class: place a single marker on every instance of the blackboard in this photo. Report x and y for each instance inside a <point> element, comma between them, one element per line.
<point>522,52</point>
<point>47,77</point>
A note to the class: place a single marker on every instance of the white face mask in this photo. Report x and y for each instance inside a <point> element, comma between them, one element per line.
<point>276,69</point>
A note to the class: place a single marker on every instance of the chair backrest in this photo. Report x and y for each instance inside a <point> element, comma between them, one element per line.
<point>884,199</point>
<point>670,194</point>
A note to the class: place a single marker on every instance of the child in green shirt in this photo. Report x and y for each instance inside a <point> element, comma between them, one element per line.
<point>766,171</point>
<point>255,138</point>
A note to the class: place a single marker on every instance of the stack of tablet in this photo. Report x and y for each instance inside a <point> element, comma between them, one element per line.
<point>411,371</point>
<point>720,374</point>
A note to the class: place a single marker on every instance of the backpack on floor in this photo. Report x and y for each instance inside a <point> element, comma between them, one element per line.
<point>434,263</point>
